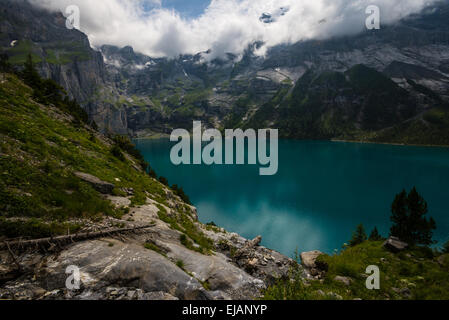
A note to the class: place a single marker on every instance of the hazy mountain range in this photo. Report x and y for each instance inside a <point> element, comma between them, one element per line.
<point>388,85</point>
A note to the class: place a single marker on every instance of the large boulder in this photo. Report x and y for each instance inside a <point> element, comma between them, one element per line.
<point>314,268</point>
<point>443,260</point>
<point>394,244</point>
<point>345,280</point>
<point>308,259</point>
<point>99,185</point>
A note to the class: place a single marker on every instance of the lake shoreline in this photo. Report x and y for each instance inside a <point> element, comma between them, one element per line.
<point>167,136</point>
<point>390,143</point>
<point>152,137</point>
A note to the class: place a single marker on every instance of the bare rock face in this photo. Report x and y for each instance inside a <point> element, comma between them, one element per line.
<point>123,264</point>
<point>99,185</point>
<point>394,244</point>
<point>313,268</point>
<point>221,276</point>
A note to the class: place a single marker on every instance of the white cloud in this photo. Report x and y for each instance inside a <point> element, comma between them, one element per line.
<point>226,25</point>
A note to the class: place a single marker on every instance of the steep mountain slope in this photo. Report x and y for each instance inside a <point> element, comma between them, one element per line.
<point>44,148</point>
<point>347,105</point>
<point>63,55</point>
<point>60,54</point>
<point>131,236</point>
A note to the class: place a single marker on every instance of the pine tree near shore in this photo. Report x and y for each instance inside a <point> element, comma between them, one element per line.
<point>358,236</point>
<point>375,235</point>
<point>409,221</point>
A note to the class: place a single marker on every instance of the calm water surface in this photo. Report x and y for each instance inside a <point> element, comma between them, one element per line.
<point>321,192</point>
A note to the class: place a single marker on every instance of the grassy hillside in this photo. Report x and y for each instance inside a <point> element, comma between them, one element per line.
<point>416,274</point>
<point>431,128</point>
<point>41,147</point>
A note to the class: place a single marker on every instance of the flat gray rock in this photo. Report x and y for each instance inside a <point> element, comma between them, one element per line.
<point>345,280</point>
<point>99,185</point>
<point>394,244</point>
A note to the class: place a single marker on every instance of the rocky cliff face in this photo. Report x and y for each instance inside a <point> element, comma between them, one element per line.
<point>60,54</point>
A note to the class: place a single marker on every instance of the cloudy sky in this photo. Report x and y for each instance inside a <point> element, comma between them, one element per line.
<point>171,27</point>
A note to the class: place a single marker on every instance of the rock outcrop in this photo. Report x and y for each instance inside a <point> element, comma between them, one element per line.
<point>99,185</point>
<point>345,280</point>
<point>394,244</point>
<point>308,259</point>
<point>312,267</point>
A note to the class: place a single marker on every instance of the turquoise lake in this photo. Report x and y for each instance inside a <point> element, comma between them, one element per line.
<point>321,192</point>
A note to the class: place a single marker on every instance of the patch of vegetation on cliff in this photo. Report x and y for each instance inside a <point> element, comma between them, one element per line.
<point>155,248</point>
<point>21,51</point>
<point>61,53</point>
<point>192,237</point>
<point>58,53</point>
<point>239,109</point>
<point>267,113</point>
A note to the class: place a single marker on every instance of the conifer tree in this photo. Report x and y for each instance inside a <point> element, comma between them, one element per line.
<point>5,66</point>
<point>375,235</point>
<point>29,73</point>
<point>358,236</point>
<point>409,221</point>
